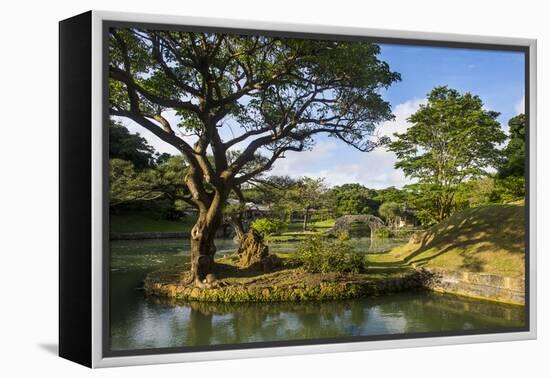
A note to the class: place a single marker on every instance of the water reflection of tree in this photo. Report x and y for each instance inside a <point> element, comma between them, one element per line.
<point>199,329</point>
<point>232,323</point>
<point>222,323</point>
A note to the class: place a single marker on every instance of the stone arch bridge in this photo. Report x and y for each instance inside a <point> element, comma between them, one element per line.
<point>344,223</point>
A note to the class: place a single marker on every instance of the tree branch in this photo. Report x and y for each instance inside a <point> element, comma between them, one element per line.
<point>267,166</point>
<point>245,136</point>
<point>157,54</point>
<point>124,77</point>
<point>167,137</point>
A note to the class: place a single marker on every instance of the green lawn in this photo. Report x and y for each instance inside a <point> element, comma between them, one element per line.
<point>294,230</point>
<point>323,224</point>
<point>146,222</point>
<point>290,236</point>
<point>489,239</point>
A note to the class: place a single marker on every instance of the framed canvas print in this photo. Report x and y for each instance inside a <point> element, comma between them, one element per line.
<point>235,188</point>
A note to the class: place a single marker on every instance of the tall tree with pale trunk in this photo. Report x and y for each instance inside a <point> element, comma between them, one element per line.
<point>452,138</point>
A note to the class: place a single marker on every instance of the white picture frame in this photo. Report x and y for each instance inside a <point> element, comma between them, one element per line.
<point>97,232</point>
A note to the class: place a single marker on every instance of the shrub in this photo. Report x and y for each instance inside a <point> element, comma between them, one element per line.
<point>391,212</point>
<point>344,236</point>
<point>508,189</point>
<point>268,226</point>
<point>321,255</point>
<point>382,233</point>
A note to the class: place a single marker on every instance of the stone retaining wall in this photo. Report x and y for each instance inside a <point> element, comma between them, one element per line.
<point>478,285</point>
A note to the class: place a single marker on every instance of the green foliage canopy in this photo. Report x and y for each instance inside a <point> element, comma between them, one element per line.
<point>317,254</point>
<point>131,147</point>
<point>452,138</point>
<point>390,212</point>
<point>352,199</point>
<point>268,226</point>
<point>514,152</point>
<point>127,184</point>
<point>279,92</point>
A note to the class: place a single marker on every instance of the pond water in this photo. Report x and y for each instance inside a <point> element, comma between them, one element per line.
<point>138,322</point>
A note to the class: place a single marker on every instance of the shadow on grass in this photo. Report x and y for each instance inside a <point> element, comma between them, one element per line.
<point>501,227</point>
<point>472,231</point>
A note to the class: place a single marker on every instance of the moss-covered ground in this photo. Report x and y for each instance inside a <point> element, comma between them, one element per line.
<point>287,283</point>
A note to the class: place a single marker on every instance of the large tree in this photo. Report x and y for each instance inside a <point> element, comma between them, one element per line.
<point>352,199</point>
<point>270,95</point>
<point>514,152</point>
<point>131,147</point>
<point>307,195</point>
<point>164,181</point>
<point>391,212</point>
<point>452,138</point>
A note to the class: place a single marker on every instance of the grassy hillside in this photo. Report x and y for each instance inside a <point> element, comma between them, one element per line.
<point>485,239</point>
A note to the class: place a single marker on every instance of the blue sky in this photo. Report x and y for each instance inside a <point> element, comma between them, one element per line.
<point>495,76</point>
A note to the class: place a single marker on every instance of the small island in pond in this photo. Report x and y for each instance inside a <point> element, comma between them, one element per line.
<point>251,171</point>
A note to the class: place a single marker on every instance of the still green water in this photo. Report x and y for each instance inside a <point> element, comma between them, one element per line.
<point>138,322</point>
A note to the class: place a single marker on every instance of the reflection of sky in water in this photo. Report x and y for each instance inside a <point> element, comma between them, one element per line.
<point>387,323</point>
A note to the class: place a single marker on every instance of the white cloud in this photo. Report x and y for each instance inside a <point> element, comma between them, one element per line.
<point>298,164</point>
<point>520,106</point>
<point>401,112</point>
<point>373,169</point>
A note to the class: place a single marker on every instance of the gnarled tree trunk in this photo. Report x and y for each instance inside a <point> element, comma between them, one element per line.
<point>254,254</point>
<point>252,250</point>
<point>203,234</point>
<point>202,247</point>
<point>237,224</point>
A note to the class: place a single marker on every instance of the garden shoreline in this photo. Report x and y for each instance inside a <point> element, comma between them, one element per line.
<point>284,285</point>
<point>295,285</point>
